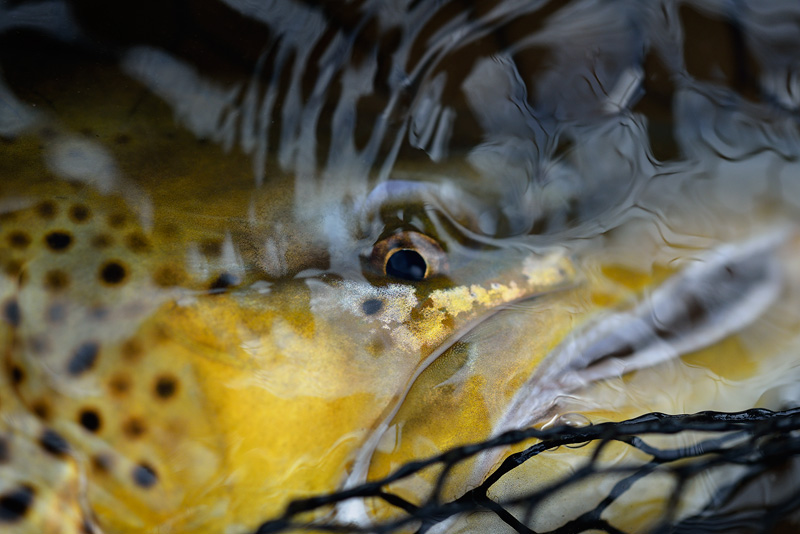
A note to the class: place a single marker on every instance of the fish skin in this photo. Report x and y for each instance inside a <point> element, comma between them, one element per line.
<point>233,387</point>
<point>264,379</point>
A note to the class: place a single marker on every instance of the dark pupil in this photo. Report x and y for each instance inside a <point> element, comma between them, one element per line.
<point>406,264</point>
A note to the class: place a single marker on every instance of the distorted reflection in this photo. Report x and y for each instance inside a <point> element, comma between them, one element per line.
<point>255,252</point>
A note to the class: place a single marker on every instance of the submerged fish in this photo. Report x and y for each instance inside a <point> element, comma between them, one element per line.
<point>222,292</point>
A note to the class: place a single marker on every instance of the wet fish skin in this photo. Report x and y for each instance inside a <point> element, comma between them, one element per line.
<point>206,295</point>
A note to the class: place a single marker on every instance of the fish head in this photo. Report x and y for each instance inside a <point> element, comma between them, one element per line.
<point>206,361</point>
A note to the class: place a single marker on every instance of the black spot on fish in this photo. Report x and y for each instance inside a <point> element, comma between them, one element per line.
<point>47,209</point>
<point>371,306</point>
<point>131,349</point>
<point>12,313</point>
<point>166,386</point>
<point>17,374</point>
<point>18,240</point>
<point>42,409</point>
<point>54,443</point>
<point>119,385</point>
<point>15,504</point>
<point>4,450</point>
<point>101,241</point>
<point>144,475</point>
<point>122,139</point>
<point>58,241</point>
<point>102,463</point>
<point>83,359</point>
<point>56,280</point>
<point>90,420</point>
<point>13,268</point>
<point>79,213</point>
<point>137,242</point>
<point>113,273</point>
<point>117,220</point>
<point>134,428</point>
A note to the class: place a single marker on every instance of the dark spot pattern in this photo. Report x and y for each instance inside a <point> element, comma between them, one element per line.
<point>134,428</point>
<point>12,313</point>
<point>13,268</point>
<point>56,280</point>
<point>90,420</point>
<point>372,306</point>
<point>166,386</point>
<point>15,504</point>
<point>119,385</point>
<point>117,220</point>
<point>144,475</point>
<point>131,349</point>
<point>47,209</point>
<point>113,273</point>
<point>42,409</point>
<point>79,213</point>
<point>83,359</point>
<point>18,240</point>
<point>102,463</point>
<point>58,241</point>
<point>101,241</point>
<point>17,374</point>
<point>137,242</point>
<point>4,450</point>
<point>54,443</point>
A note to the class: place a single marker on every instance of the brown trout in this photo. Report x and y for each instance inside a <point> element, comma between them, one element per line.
<point>295,247</point>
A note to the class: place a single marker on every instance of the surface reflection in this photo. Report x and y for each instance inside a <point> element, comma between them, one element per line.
<point>255,252</point>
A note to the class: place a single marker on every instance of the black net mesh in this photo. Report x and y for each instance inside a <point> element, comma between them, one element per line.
<point>763,444</point>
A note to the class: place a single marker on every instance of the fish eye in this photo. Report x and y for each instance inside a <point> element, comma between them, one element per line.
<point>409,255</point>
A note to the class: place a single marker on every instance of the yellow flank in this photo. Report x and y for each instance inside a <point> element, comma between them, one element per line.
<point>190,395</point>
<point>179,356</point>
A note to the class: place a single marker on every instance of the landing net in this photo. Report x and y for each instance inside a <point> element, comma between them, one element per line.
<point>761,443</point>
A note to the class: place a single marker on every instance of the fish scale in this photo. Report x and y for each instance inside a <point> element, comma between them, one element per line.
<point>187,347</point>
<point>72,363</point>
<point>168,386</point>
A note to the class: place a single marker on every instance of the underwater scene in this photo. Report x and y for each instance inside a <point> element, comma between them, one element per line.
<point>399,266</point>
